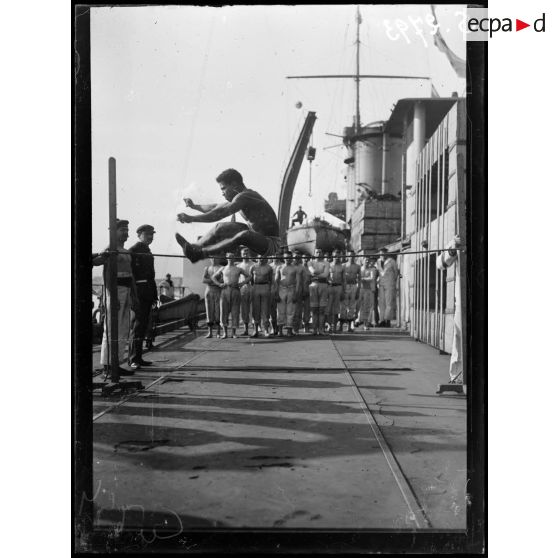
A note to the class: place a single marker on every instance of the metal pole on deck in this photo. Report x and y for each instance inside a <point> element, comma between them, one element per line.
<point>112,275</point>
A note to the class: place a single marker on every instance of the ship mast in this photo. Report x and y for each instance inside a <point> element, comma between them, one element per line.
<point>357,76</point>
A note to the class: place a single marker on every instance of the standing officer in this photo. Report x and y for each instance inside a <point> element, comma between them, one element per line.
<point>126,293</point>
<point>144,276</point>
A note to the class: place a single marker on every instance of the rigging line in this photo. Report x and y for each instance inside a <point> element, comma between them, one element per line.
<point>395,253</point>
<point>336,173</point>
<point>271,41</point>
<point>338,85</point>
<point>193,126</point>
<point>199,95</point>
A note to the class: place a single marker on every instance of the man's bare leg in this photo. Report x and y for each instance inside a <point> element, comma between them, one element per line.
<point>222,238</point>
<point>225,335</point>
<point>315,320</point>
<point>321,327</point>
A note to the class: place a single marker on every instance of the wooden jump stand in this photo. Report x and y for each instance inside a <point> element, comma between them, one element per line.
<point>114,385</point>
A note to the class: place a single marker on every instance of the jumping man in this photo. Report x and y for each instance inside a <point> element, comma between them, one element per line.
<point>261,234</point>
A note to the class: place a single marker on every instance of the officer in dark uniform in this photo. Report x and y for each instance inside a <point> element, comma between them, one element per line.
<point>144,276</point>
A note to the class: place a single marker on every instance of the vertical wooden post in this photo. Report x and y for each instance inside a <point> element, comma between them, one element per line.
<point>439,135</point>
<point>428,323</point>
<point>461,225</point>
<point>112,275</point>
<point>443,203</point>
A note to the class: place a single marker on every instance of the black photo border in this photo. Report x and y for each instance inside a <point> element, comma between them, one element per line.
<point>86,541</point>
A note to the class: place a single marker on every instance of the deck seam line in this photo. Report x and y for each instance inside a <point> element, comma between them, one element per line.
<point>129,396</point>
<point>417,512</point>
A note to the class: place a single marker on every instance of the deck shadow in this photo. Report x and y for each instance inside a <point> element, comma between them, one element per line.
<point>260,382</point>
<point>318,438</point>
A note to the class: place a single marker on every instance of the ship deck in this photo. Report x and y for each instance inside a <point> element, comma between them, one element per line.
<point>341,431</point>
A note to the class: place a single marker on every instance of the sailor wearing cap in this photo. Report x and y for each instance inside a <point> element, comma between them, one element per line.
<point>144,275</point>
<point>126,295</point>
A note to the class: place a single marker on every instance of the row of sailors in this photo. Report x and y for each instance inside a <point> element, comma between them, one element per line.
<point>298,291</point>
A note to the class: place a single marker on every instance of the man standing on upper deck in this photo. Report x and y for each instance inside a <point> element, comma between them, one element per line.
<point>212,298</point>
<point>351,291</point>
<point>260,235</point>
<point>319,270</point>
<point>228,278</point>
<point>126,296</point>
<point>298,216</point>
<point>387,287</point>
<point>287,277</point>
<point>262,278</point>
<point>337,286</point>
<point>246,290</point>
<point>143,268</point>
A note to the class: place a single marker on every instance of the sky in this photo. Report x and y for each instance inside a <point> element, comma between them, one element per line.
<point>180,93</point>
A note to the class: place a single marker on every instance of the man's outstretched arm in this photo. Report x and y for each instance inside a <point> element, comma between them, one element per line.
<point>202,208</point>
<point>216,214</point>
